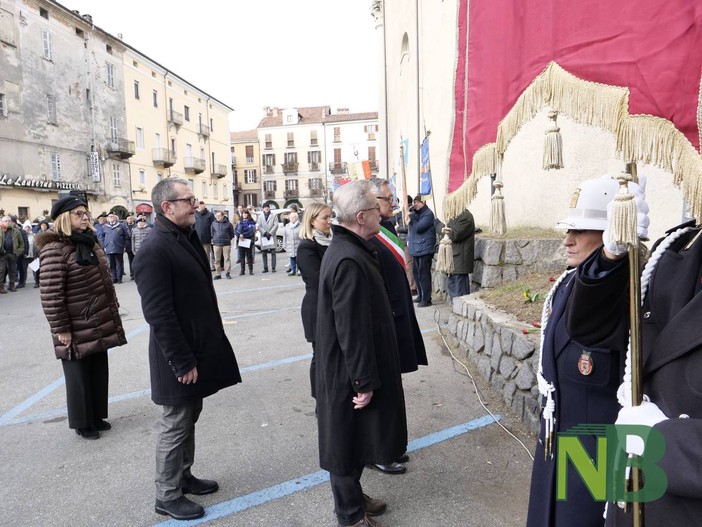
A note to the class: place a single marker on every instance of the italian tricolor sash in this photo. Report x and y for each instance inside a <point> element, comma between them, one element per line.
<point>393,243</point>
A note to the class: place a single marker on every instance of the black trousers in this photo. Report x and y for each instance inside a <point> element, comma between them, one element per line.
<point>348,496</point>
<point>86,389</point>
<point>421,267</point>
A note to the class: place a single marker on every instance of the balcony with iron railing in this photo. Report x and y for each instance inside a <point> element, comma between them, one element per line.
<point>163,157</point>
<point>204,130</point>
<point>120,148</point>
<point>269,194</point>
<point>175,118</point>
<point>316,192</point>
<point>314,166</point>
<point>373,166</point>
<point>290,168</point>
<point>237,187</point>
<point>291,193</point>
<point>194,165</point>
<point>268,169</point>
<point>338,168</point>
<point>219,171</point>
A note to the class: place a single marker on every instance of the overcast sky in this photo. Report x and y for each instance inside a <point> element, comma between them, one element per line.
<point>251,54</point>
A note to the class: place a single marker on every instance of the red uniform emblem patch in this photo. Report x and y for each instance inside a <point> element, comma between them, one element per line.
<point>585,364</point>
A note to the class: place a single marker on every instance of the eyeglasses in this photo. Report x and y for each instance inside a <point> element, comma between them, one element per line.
<point>81,213</point>
<point>387,199</point>
<point>192,199</point>
<point>377,207</point>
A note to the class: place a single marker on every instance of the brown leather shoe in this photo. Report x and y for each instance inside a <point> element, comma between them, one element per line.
<point>367,521</point>
<point>373,507</point>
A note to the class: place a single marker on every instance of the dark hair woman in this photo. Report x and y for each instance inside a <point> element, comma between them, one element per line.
<point>80,303</point>
<point>246,230</point>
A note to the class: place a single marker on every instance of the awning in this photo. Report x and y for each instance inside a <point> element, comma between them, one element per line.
<point>144,208</point>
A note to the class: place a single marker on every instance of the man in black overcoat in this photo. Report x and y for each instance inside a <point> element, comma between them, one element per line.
<point>360,402</point>
<point>410,344</point>
<point>190,356</point>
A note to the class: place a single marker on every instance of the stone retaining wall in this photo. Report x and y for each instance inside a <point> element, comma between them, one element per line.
<point>499,261</point>
<point>494,342</point>
<point>491,340</point>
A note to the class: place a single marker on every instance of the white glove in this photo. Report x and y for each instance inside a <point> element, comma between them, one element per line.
<point>647,414</point>
<point>642,219</point>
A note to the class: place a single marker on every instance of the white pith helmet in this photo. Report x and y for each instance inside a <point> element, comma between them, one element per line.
<point>588,206</point>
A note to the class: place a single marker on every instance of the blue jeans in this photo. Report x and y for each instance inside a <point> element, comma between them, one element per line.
<point>293,264</point>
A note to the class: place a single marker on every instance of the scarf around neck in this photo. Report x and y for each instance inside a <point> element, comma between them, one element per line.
<point>321,238</point>
<point>85,241</point>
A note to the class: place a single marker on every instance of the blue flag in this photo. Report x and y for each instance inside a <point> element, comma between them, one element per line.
<point>425,174</point>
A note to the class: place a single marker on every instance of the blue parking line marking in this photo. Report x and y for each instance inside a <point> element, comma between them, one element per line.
<point>260,497</point>
<point>10,417</point>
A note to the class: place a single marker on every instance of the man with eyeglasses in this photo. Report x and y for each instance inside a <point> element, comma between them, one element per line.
<point>356,360</point>
<point>391,256</point>
<point>190,357</point>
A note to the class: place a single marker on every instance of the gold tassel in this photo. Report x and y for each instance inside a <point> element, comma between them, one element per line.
<point>553,144</point>
<point>498,223</point>
<point>444,260</point>
<point>624,215</point>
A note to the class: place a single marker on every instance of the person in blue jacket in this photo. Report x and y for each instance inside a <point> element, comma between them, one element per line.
<point>246,230</point>
<point>422,242</point>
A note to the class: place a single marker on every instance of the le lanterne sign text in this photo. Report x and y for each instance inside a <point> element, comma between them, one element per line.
<point>26,182</point>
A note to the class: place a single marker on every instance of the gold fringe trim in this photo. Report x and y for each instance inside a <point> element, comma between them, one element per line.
<point>639,138</point>
<point>585,102</point>
<point>485,163</point>
<point>656,141</point>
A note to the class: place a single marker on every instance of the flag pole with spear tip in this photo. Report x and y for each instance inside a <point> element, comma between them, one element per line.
<point>624,231</point>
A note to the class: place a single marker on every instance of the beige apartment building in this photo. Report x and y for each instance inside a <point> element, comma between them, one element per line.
<point>308,152</point>
<point>246,168</point>
<point>177,131</point>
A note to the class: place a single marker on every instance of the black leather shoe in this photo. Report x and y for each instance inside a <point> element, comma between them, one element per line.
<point>424,304</point>
<point>88,433</point>
<point>404,458</point>
<point>180,509</point>
<point>264,271</point>
<point>199,487</point>
<point>103,425</point>
<point>392,468</point>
